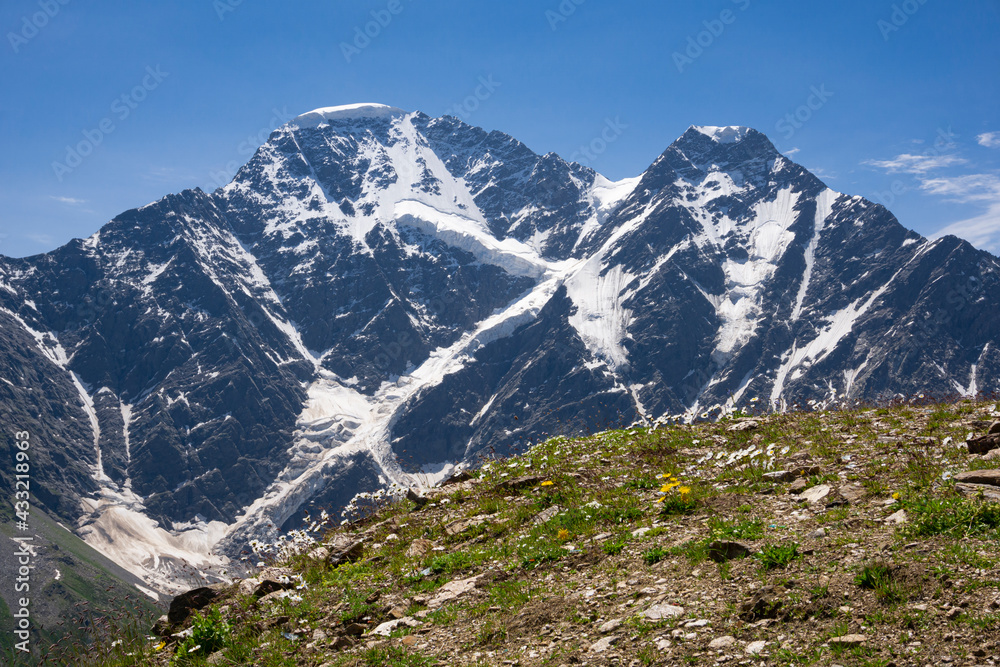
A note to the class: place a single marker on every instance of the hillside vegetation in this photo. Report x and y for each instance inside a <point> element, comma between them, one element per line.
<point>804,538</point>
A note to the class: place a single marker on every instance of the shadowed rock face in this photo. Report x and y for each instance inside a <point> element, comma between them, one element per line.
<point>382,295</point>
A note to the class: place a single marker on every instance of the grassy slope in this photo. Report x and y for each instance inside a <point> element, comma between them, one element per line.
<point>89,585</point>
<point>571,585</point>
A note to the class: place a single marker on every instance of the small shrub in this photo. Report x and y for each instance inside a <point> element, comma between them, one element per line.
<point>655,555</point>
<point>614,548</point>
<point>209,633</point>
<point>774,556</point>
<point>957,517</point>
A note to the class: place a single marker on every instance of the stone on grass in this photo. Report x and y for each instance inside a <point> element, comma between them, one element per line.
<point>452,590</point>
<point>720,552</point>
<point>659,612</point>
<point>816,493</point>
<point>722,642</point>
<point>897,518</point>
<point>610,626</point>
<point>848,641</point>
<point>602,645</point>
<point>987,477</point>
<point>756,648</point>
<point>385,629</point>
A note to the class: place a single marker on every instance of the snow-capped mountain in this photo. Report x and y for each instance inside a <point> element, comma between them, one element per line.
<point>379,296</point>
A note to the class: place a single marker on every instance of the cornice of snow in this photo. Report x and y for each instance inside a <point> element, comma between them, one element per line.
<point>729,134</point>
<point>317,117</point>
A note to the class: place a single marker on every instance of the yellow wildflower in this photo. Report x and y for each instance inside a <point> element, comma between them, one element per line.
<point>563,534</point>
<point>684,490</point>
<point>547,483</point>
<point>895,496</point>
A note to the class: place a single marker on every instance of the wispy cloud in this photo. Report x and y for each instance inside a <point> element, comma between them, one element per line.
<point>72,201</point>
<point>982,231</point>
<point>964,189</point>
<point>989,139</point>
<point>916,164</point>
<point>793,151</point>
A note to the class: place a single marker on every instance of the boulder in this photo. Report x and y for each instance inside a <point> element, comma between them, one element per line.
<point>721,552</point>
<point>185,604</point>
<point>988,477</point>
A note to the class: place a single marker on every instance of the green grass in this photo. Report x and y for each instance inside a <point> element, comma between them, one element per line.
<point>777,556</point>
<point>954,517</point>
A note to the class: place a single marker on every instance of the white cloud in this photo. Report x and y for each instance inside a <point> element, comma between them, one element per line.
<point>793,151</point>
<point>989,139</point>
<point>916,164</point>
<point>982,231</point>
<point>965,189</point>
<point>69,200</point>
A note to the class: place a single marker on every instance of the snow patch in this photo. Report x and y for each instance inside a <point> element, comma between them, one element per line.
<point>317,117</point>
<point>723,135</point>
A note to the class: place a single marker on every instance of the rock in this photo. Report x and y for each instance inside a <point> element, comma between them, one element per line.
<point>818,534</point>
<point>453,590</point>
<point>320,554</point>
<point>897,518</point>
<point>385,629</point>
<point>457,478</point>
<point>988,492</point>
<point>799,485</point>
<point>994,428</point>
<point>456,527</point>
<point>953,613</point>
<point>791,474</point>
<point>816,493</point>
<point>346,551</point>
<point>848,641</point>
<point>416,498</point>
<point>185,604</point>
<point>991,455</point>
<point>983,444</point>
<point>341,643</point>
<point>162,627</point>
<point>419,548</point>
<point>397,613</point>
<point>518,483</point>
<point>602,645</point>
<point>743,426</point>
<point>988,477</point>
<point>659,612</point>
<point>722,642</point>
<point>756,648</point>
<point>610,626</point>
<point>409,640</point>
<point>355,629</point>
<point>721,552</point>
<point>852,493</point>
<point>546,515</point>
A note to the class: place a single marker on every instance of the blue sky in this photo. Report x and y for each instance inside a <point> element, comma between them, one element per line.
<point>898,101</point>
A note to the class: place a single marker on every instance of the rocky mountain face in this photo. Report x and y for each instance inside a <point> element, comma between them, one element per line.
<point>379,296</point>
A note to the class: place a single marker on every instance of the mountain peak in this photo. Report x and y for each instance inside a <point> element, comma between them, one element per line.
<point>317,117</point>
<point>729,134</point>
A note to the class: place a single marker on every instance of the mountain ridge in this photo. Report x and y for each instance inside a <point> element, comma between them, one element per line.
<point>379,297</point>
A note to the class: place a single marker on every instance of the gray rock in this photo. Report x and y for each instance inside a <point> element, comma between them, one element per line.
<point>610,626</point>
<point>659,612</point>
<point>720,643</point>
<point>848,641</point>
<point>987,477</point>
<point>815,494</point>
